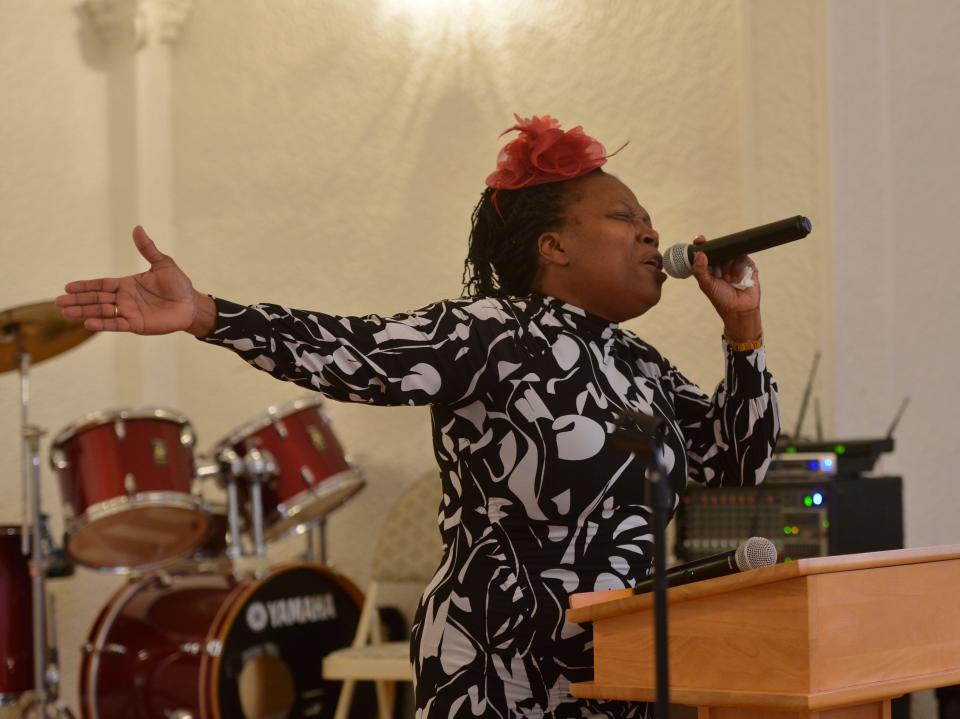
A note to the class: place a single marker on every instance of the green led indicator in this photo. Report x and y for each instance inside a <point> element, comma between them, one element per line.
<point>793,450</point>
<point>808,501</point>
<point>840,449</point>
<point>787,530</point>
<point>826,524</point>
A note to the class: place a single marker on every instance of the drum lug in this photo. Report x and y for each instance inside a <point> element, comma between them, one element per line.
<point>308,477</point>
<point>192,648</point>
<point>118,649</point>
<point>281,428</point>
<point>187,436</point>
<point>59,459</point>
<point>130,484</point>
<point>162,578</point>
<point>178,714</point>
<point>214,647</point>
<point>120,429</point>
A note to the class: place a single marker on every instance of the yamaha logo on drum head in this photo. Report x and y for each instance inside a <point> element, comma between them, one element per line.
<point>291,612</point>
<point>257,617</point>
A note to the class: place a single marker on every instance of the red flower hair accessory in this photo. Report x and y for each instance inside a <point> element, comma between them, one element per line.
<point>544,153</point>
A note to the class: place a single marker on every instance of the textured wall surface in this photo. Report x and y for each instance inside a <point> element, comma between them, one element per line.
<point>330,160</point>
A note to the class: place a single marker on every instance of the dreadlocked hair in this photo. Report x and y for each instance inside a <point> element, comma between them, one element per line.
<point>503,259</point>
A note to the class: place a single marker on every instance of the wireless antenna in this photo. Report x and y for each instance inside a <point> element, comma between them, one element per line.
<point>899,414</point>
<point>806,395</point>
<point>818,418</point>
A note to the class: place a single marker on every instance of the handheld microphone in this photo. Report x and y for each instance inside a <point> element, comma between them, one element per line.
<point>754,553</point>
<point>678,260</point>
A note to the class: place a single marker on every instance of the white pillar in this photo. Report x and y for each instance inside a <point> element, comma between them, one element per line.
<point>139,35</point>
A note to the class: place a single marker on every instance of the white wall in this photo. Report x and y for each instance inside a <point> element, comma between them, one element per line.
<point>895,109</point>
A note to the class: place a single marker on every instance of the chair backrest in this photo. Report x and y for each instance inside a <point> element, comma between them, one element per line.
<point>409,546</point>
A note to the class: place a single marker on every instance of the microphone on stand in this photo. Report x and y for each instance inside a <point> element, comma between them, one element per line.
<point>755,553</point>
<point>678,260</point>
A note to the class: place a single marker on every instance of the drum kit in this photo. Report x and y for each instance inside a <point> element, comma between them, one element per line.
<point>190,634</point>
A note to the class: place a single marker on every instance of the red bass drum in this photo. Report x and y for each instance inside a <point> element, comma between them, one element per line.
<point>213,646</point>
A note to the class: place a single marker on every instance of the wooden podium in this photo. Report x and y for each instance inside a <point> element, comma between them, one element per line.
<point>831,637</point>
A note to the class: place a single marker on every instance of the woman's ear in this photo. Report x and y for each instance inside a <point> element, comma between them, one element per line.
<point>550,247</point>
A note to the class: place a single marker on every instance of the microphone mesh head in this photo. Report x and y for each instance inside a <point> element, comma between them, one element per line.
<point>755,553</point>
<point>676,262</point>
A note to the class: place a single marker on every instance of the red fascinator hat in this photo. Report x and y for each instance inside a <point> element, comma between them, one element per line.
<point>543,153</point>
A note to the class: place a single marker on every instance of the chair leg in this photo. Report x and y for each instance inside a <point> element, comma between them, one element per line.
<point>345,700</point>
<point>383,701</point>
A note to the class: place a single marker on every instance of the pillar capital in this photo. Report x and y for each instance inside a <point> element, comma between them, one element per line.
<point>146,22</point>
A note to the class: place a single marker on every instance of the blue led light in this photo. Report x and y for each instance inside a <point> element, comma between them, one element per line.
<point>817,498</point>
<point>813,465</point>
<point>828,463</point>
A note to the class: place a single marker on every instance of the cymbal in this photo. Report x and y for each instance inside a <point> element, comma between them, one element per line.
<point>39,329</point>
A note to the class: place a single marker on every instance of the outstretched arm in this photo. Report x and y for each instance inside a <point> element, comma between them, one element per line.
<point>438,354</point>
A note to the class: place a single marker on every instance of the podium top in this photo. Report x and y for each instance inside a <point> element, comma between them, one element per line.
<point>593,606</point>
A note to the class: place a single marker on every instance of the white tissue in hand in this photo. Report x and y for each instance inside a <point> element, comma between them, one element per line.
<point>747,279</point>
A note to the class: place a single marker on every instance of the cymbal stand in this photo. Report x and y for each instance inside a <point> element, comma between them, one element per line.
<point>54,701</point>
<point>31,436</point>
<point>43,691</point>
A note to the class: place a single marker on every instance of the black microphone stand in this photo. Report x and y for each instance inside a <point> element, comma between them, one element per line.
<point>643,436</point>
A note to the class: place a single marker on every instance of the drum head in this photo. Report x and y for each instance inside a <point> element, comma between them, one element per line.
<point>140,535</point>
<point>273,640</point>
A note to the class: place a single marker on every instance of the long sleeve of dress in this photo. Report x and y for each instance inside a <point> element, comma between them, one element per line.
<point>430,356</point>
<point>730,437</point>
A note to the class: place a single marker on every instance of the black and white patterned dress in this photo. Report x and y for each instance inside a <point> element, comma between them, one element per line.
<point>538,502</point>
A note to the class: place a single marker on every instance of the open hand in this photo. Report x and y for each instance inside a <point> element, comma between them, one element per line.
<point>158,301</point>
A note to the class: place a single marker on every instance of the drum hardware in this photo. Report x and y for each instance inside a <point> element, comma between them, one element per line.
<point>312,475</point>
<point>55,706</point>
<point>58,564</point>
<point>259,466</point>
<point>308,477</point>
<point>116,649</point>
<point>161,578</point>
<point>316,536</point>
<point>32,436</point>
<point>281,428</point>
<point>228,467</point>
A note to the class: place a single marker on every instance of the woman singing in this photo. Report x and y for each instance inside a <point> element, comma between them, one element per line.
<point>525,376</point>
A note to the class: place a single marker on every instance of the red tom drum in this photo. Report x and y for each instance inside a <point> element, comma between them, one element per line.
<point>313,475</point>
<point>16,619</point>
<point>213,646</point>
<point>125,479</point>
